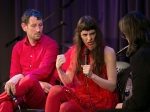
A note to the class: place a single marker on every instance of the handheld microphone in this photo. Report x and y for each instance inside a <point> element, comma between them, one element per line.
<point>12,96</point>
<point>86,52</point>
<point>15,100</point>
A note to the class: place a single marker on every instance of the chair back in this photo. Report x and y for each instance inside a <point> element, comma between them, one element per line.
<point>123,72</point>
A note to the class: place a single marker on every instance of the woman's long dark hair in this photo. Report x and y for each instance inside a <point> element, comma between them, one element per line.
<point>88,23</point>
<point>136,27</point>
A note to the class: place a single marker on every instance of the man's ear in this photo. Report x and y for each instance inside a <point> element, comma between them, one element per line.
<point>24,26</point>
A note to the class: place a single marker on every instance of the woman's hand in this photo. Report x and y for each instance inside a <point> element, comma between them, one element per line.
<point>87,70</point>
<point>45,86</point>
<point>119,105</point>
<point>60,60</point>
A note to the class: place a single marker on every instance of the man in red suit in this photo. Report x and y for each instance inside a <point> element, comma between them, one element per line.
<point>32,66</point>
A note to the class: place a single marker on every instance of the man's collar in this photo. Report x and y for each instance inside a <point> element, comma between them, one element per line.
<point>26,40</point>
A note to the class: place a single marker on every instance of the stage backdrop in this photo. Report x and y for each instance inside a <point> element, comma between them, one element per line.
<point>60,19</point>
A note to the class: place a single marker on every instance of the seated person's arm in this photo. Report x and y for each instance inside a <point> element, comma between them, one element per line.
<point>44,70</point>
<point>110,62</point>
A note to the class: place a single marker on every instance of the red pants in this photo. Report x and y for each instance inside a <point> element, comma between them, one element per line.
<point>57,101</point>
<point>29,90</point>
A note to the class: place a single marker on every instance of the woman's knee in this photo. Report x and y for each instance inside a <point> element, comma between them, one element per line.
<point>64,107</point>
<point>69,106</point>
<point>57,89</point>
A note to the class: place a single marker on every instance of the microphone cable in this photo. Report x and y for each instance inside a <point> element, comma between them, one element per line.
<point>89,93</point>
<point>86,52</point>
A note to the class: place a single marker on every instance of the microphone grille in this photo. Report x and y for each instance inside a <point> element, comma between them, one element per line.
<point>86,51</point>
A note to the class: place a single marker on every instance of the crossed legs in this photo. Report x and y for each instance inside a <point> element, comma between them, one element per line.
<point>57,101</point>
<point>29,89</point>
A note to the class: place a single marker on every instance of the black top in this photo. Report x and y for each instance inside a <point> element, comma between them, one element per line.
<point>140,67</point>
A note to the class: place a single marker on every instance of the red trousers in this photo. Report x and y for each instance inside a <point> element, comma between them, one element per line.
<point>57,101</point>
<point>29,91</point>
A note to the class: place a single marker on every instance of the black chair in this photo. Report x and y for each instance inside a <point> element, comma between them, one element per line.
<point>123,73</point>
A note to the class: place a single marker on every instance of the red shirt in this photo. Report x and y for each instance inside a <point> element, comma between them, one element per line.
<point>38,60</point>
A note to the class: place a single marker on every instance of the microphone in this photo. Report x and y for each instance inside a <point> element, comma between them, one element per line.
<point>59,10</point>
<point>61,23</point>
<point>12,96</point>
<point>17,38</point>
<point>15,100</point>
<point>120,51</point>
<point>86,52</point>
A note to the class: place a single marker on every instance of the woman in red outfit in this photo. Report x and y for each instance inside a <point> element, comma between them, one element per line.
<point>89,84</point>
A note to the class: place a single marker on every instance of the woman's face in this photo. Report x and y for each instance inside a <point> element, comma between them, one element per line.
<point>88,38</point>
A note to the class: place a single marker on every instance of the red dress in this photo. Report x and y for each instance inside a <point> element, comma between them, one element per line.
<point>87,94</point>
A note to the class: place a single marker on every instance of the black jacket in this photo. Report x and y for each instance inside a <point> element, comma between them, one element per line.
<point>140,67</point>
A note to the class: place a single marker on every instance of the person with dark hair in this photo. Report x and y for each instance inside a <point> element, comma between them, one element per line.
<point>87,71</point>
<point>32,66</point>
<point>135,28</point>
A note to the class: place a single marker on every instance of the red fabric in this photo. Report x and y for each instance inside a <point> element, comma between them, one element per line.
<point>29,91</point>
<point>100,98</point>
<point>58,102</point>
<point>6,106</point>
<point>38,60</point>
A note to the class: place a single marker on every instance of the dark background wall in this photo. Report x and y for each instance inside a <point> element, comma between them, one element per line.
<point>60,22</point>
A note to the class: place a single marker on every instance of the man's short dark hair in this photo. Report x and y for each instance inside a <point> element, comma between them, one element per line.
<point>28,13</point>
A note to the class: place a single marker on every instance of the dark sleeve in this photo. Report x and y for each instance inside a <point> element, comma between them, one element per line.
<point>140,98</point>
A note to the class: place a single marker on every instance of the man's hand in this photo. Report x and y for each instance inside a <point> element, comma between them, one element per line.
<point>45,86</point>
<point>119,106</point>
<point>10,85</point>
